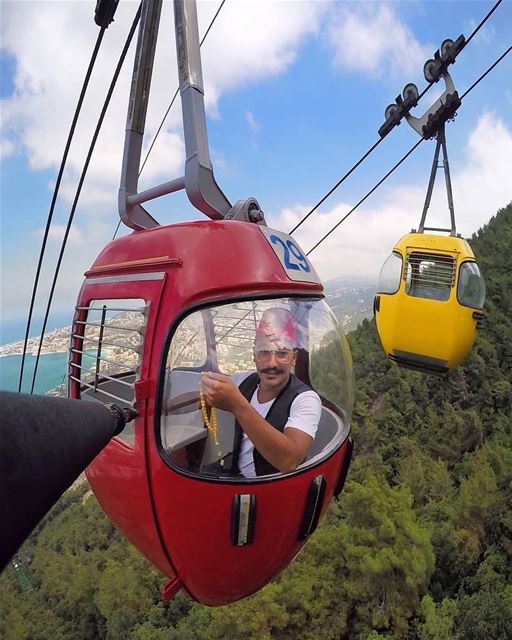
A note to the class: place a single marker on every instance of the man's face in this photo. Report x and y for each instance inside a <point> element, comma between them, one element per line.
<point>274,366</point>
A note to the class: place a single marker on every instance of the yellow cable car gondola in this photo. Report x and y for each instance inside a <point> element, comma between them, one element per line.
<point>429,302</point>
<point>431,293</point>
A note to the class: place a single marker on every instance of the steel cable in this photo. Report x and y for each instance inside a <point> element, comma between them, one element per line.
<point>80,184</point>
<point>376,144</point>
<point>406,155</point>
<point>55,194</point>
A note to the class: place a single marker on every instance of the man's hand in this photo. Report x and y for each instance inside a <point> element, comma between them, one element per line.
<point>220,392</point>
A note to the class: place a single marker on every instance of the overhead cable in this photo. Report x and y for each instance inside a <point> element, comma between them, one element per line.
<point>80,184</point>
<point>376,144</point>
<point>370,150</point>
<point>367,195</point>
<point>55,194</point>
<point>486,72</point>
<point>413,148</point>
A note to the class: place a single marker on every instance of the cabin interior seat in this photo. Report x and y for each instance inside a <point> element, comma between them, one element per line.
<point>331,431</point>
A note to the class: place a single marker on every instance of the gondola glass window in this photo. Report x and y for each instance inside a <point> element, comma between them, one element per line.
<point>471,287</point>
<point>429,276</point>
<point>390,274</point>
<point>105,351</point>
<point>221,338</point>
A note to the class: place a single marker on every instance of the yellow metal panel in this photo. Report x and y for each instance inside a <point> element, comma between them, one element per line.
<point>430,242</point>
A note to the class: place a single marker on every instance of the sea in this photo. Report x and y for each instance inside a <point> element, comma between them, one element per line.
<point>51,372</point>
<point>52,367</point>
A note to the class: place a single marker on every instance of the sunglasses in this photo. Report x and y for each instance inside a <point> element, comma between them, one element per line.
<point>281,355</point>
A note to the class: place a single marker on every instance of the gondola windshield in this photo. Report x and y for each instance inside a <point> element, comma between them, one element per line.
<point>391,273</point>
<point>471,287</point>
<point>221,338</point>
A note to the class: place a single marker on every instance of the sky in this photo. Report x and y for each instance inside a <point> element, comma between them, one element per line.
<point>295,93</point>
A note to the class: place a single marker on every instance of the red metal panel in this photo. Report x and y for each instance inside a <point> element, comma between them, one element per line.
<point>195,519</point>
<point>209,259</point>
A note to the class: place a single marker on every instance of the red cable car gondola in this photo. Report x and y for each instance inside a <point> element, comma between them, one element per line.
<point>162,305</point>
<point>222,538</point>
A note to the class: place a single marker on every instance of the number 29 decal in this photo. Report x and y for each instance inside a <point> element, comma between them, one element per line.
<point>291,256</point>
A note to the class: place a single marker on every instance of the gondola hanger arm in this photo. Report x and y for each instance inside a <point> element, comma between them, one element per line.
<point>198,181</point>
<point>443,109</point>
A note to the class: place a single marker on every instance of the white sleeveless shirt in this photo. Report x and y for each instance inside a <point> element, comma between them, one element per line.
<point>304,415</point>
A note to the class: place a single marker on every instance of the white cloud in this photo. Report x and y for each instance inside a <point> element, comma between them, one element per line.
<point>168,153</point>
<point>83,247</point>
<point>486,34</point>
<point>56,234</point>
<point>485,183</point>
<point>253,39</point>
<point>48,78</point>
<point>250,40</point>
<point>7,148</point>
<point>251,121</point>
<point>51,43</point>
<point>481,185</point>
<point>371,38</point>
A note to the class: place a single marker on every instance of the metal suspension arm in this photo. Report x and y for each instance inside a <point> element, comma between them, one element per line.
<point>199,182</point>
<point>440,144</point>
<point>130,211</point>
<point>430,187</point>
<point>447,178</point>
<point>202,189</point>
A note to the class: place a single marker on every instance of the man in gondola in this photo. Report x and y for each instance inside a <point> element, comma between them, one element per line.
<point>276,415</point>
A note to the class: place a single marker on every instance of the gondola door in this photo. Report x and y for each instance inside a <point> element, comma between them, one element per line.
<point>110,361</point>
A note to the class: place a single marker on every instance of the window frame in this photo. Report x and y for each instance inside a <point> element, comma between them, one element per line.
<point>160,390</point>
<point>436,258</point>
<point>81,321</point>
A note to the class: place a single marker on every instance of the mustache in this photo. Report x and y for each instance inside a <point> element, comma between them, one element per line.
<point>271,370</point>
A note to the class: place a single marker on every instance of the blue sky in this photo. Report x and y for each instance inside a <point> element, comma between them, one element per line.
<point>295,94</point>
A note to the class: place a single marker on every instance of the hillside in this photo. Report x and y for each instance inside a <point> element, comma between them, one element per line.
<point>418,548</point>
<point>351,301</point>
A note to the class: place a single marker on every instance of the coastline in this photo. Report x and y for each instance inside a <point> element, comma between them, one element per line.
<point>44,352</point>
<point>55,341</point>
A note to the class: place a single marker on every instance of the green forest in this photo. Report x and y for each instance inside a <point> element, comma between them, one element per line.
<point>419,546</point>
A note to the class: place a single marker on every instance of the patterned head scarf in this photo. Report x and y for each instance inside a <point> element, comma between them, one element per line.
<point>277,329</point>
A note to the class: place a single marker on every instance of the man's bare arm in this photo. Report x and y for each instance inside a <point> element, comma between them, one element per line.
<point>283,450</point>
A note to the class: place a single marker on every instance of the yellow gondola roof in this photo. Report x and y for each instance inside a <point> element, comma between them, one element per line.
<point>431,242</point>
